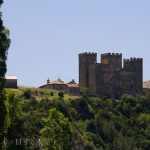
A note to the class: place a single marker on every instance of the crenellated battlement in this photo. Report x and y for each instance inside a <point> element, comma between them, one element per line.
<point>88,54</point>
<point>133,59</point>
<point>109,78</point>
<point>136,59</point>
<point>126,60</point>
<point>111,54</point>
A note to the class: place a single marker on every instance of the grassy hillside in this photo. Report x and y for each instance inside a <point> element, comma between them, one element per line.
<point>94,123</point>
<point>39,94</point>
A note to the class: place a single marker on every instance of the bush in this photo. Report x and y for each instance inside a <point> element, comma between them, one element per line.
<point>27,94</point>
<point>89,146</point>
<point>52,93</point>
<point>84,91</point>
<point>61,94</point>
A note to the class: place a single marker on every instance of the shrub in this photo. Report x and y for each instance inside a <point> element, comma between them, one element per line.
<point>27,94</point>
<point>61,94</point>
<point>52,93</point>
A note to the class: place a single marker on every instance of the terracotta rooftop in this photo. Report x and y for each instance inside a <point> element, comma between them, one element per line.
<point>72,84</point>
<point>59,81</point>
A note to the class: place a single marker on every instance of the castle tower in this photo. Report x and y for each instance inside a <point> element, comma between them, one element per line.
<point>135,65</point>
<point>114,60</point>
<point>84,60</point>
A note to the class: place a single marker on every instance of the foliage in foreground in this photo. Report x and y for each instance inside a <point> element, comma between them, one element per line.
<point>85,123</point>
<point>56,133</point>
<point>4,45</point>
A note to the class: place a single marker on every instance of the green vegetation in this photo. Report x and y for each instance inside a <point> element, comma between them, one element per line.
<point>47,121</point>
<point>56,133</point>
<point>39,94</point>
<point>61,94</point>
<point>4,45</point>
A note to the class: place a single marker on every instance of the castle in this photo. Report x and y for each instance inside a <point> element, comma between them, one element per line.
<point>109,78</point>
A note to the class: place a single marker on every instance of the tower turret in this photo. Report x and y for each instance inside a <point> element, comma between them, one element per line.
<point>84,60</point>
<point>135,65</point>
<point>114,60</point>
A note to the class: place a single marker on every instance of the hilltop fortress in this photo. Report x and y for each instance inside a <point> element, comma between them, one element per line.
<point>109,78</point>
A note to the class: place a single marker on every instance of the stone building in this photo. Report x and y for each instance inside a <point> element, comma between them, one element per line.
<point>146,84</point>
<point>109,78</point>
<point>71,88</point>
<point>11,82</point>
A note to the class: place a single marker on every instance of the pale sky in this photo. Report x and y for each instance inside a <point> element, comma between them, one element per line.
<point>47,35</point>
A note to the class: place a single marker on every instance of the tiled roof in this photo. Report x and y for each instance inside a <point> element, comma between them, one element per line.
<point>73,84</point>
<point>59,81</point>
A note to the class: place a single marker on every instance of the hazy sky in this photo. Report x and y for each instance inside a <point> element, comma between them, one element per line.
<point>47,35</point>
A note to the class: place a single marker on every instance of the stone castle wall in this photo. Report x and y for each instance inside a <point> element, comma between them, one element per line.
<point>109,78</point>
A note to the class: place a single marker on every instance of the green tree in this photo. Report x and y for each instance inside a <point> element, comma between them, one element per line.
<point>13,125</point>
<point>56,134</point>
<point>27,94</point>
<point>4,45</point>
<point>52,93</point>
<point>61,94</point>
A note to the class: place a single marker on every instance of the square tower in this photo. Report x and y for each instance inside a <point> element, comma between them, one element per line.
<point>84,60</point>
<point>114,60</point>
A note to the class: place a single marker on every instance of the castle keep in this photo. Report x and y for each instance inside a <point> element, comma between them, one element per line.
<point>109,78</point>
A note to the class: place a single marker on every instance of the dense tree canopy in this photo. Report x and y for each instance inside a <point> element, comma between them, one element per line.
<point>85,123</point>
<point>56,133</point>
<point>4,45</point>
